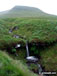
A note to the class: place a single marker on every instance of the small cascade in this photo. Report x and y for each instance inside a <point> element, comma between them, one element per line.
<point>39,68</point>
<point>33,59</point>
<point>16,36</point>
<point>27,49</point>
<point>10,31</point>
<point>17,46</point>
<point>30,59</point>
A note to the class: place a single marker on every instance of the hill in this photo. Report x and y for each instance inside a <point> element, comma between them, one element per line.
<point>41,33</point>
<point>35,30</point>
<point>23,11</point>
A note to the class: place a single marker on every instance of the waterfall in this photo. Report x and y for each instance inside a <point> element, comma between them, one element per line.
<point>27,49</point>
<point>40,68</point>
<point>31,58</point>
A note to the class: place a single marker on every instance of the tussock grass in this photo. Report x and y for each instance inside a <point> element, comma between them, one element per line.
<point>34,29</point>
<point>10,67</point>
<point>49,58</point>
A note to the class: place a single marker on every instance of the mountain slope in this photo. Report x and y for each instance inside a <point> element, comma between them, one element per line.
<point>23,11</point>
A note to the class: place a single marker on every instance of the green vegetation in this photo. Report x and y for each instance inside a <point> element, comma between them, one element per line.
<point>34,50</point>
<point>13,50</point>
<point>35,29</point>
<point>41,29</point>
<point>23,11</point>
<point>10,67</point>
<point>49,58</point>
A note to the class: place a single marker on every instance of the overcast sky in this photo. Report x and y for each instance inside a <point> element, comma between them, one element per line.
<point>48,6</point>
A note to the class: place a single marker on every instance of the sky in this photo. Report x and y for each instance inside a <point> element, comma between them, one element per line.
<point>48,6</point>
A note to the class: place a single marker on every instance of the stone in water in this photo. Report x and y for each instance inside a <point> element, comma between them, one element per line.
<point>10,31</point>
<point>16,36</point>
<point>32,59</point>
<point>18,45</point>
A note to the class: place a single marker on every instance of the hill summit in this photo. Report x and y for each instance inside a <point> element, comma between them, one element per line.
<point>23,11</point>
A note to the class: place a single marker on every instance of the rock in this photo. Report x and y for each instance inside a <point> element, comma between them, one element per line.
<point>16,36</point>
<point>10,31</point>
<point>15,28</point>
<point>17,46</point>
<point>32,59</point>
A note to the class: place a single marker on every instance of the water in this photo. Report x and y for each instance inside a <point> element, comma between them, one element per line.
<point>16,36</point>
<point>18,45</point>
<point>39,68</point>
<point>15,28</point>
<point>10,31</point>
<point>27,49</point>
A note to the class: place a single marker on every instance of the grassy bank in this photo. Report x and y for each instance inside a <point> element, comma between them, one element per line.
<point>10,67</point>
<point>35,30</point>
<point>49,58</point>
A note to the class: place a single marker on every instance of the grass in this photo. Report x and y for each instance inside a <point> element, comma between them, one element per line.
<point>10,67</point>
<point>34,29</point>
<point>49,58</point>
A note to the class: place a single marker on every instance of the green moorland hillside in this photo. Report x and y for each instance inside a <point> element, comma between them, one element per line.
<point>10,67</point>
<point>23,11</point>
<point>33,29</point>
<point>37,30</point>
<point>49,58</point>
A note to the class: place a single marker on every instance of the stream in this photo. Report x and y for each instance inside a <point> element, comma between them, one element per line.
<point>30,59</point>
<point>27,49</point>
